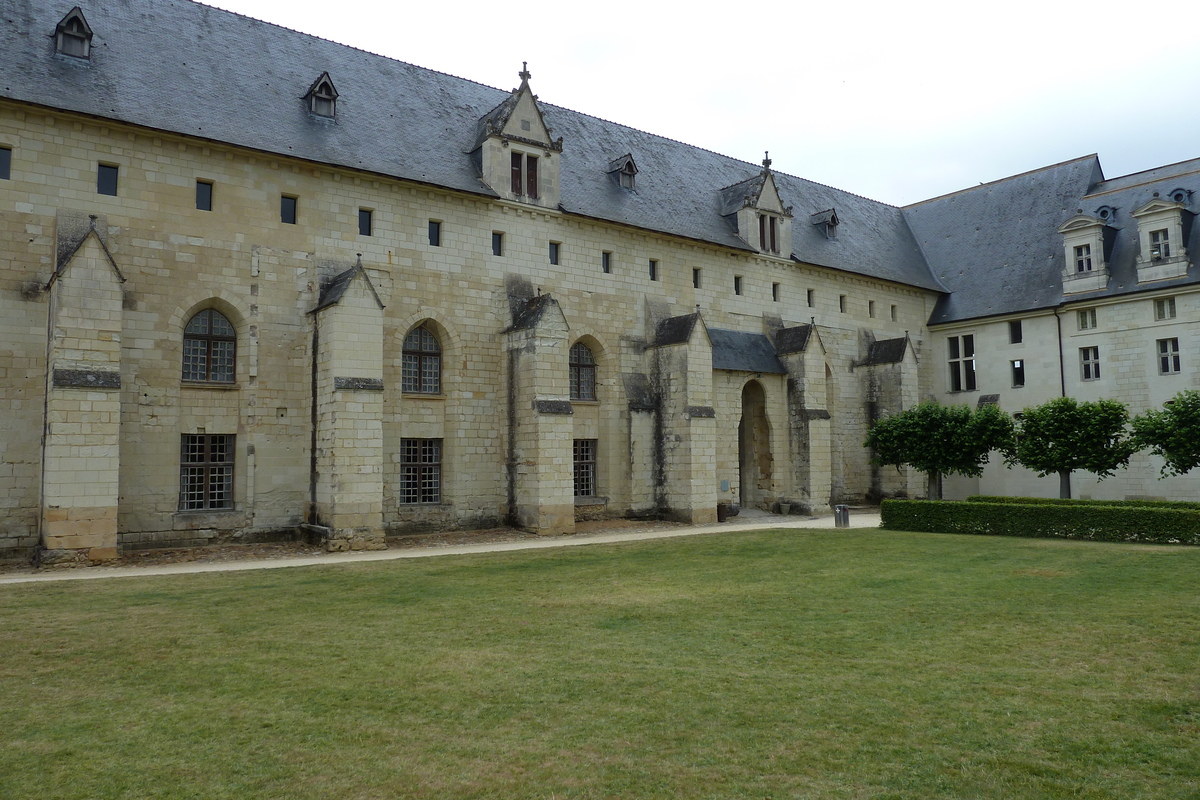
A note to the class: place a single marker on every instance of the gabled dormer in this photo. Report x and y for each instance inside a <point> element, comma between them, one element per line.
<point>1163,228</point>
<point>623,170</point>
<point>826,222</point>
<point>321,97</point>
<point>514,152</point>
<point>758,213</point>
<point>73,35</point>
<point>1087,245</point>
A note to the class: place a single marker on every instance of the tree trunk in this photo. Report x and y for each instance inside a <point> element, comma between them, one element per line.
<point>934,492</point>
<point>1064,484</point>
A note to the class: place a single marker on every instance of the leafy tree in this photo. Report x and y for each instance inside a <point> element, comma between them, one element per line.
<point>1064,435</point>
<point>940,440</point>
<point>1172,433</point>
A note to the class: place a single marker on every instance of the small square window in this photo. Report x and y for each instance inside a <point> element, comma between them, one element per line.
<point>5,163</point>
<point>365,220</point>
<point>895,313</point>
<point>1089,363</point>
<point>1168,356</point>
<point>435,233</point>
<point>106,179</point>
<point>842,303</point>
<point>606,262</point>
<point>653,270</point>
<point>555,252</point>
<point>1086,318</point>
<point>737,284</point>
<point>1018,373</point>
<point>810,297</point>
<point>1164,308</point>
<point>204,190</point>
<point>287,209</point>
<point>497,243</point>
<point>775,292</point>
<point>695,277</point>
<point>1014,331</point>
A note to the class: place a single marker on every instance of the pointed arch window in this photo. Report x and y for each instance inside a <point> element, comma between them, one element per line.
<point>582,372</point>
<point>73,36</point>
<point>209,348</point>
<point>322,97</point>
<point>422,369</point>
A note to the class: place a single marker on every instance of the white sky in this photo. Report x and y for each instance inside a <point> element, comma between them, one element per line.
<point>897,101</point>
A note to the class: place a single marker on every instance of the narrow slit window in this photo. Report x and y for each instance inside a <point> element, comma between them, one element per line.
<point>287,209</point>
<point>5,163</point>
<point>653,270</point>
<point>204,195</point>
<point>365,221</point>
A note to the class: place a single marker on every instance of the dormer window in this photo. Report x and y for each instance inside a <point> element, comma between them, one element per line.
<point>768,233</point>
<point>1083,258</point>
<point>827,221</point>
<point>1180,195</point>
<point>623,171</point>
<point>1106,213</point>
<point>525,175</point>
<point>73,36</point>
<point>626,176</point>
<point>322,97</point>
<point>1162,227</point>
<point>1160,244</point>
<point>1087,245</point>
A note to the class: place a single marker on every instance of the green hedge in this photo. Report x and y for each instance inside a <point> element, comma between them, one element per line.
<point>1049,501</point>
<point>1100,523</point>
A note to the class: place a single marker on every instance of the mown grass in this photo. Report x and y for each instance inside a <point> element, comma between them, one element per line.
<point>865,664</point>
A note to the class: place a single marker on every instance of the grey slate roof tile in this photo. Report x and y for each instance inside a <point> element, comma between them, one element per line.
<point>743,352</point>
<point>792,340</point>
<point>674,330</point>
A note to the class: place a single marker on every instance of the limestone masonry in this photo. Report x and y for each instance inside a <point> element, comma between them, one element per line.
<point>255,283</point>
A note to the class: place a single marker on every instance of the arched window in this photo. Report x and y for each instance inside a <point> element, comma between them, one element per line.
<point>209,348</point>
<point>583,373</point>
<point>422,370</point>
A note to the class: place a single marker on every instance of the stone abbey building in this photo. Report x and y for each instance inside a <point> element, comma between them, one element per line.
<point>252,280</point>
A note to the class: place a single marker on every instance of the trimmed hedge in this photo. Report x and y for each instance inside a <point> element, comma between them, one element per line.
<point>1045,501</point>
<point>1098,523</point>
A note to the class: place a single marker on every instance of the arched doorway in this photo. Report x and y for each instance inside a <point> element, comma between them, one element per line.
<point>754,448</point>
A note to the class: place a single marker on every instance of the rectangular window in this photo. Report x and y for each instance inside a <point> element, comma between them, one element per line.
<point>1168,356</point>
<point>871,309</point>
<point>364,221</point>
<point>5,163</point>
<point>1089,363</point>
<point>842,303</point>
<point>895,313</point>
<point>204,191</point>
<point>653,270</point>
<point>585,467</point>
<point>287,209</point>
<point>768,228</point>
<point>106,179</point>
<point>737,284</point>
<point>531,177</point>
<point>962,363</point>
<point>1160,246</point>
<point>518,174</point>
<point>555,252</point>
<point>435,233</point>
<point>1015,334</point>
<point>420,471</point>
<point>1018,373</point>
<point>810,295</point>
<point>205,472</point>
<point>1164,308</point>
<point>775,292</point>
<point>497,243</point>
<point>1087,318</point>
<point>1083,258</point>
<point>524,175</point>
<point>695,277</point>
<point>606,262</point>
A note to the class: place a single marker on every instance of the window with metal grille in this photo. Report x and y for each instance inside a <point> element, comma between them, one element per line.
<point>583,373</point>
<point>1089,363</point>
<point>1168,356</point>
<point>422,369</point>
<point>209,348</point>
<point>205,471</point>
<point>585,467</point>
<point>420,471</point>
<point>962,363</point>
<point>525,175</point>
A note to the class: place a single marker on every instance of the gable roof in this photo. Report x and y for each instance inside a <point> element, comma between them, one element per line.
<point>160,64</point>
<point>743,352</point>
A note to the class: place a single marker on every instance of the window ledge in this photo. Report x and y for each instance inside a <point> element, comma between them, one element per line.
<point>592,500</point>
<point>575,400</point>
<point>421,396</point>
<point>220,385</point>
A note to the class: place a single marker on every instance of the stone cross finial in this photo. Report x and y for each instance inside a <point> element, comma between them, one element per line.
<point>524,74</point>
<point>767,160</point>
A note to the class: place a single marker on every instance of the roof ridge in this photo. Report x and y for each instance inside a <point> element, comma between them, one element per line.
<point>1002,180</point>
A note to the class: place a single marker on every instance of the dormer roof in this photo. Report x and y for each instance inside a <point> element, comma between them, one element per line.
<point>518,118</point>
<point>73,35</point>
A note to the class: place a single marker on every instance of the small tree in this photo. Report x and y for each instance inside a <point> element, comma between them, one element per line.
<point>1064,435</point>
<point>940,440</point>
<point>1172,433</point>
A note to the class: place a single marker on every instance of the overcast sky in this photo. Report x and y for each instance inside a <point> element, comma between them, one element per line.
<point>899,102</point>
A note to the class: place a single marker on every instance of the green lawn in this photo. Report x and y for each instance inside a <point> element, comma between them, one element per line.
<point>815,664</point>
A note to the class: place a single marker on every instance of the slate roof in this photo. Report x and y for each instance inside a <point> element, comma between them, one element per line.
<point>674,330</point>
<point>743,352</point>
<point>178,66</point>
<point>793,340</point>
<point>886,351</point>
